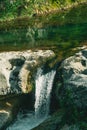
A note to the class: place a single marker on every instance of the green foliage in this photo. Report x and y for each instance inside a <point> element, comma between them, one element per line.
<point>83,125</point>
<point>14,8</point>
<point>65,1</point>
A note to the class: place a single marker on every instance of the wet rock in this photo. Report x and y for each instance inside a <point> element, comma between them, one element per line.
<point>4,118</point>
<point>72,127</point>
<point>52,123</point>
<point>8,110</point>
<point>4,85</point>
<point>74,71</point>
<point>16,69</point>
<point>72,94</point>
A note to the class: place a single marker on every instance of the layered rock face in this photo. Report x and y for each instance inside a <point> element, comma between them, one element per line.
<point>16,69</point>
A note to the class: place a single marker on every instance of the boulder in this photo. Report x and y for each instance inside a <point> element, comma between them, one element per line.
<point>74,77</point>
<point>70,88</point>
<point>18,68</point>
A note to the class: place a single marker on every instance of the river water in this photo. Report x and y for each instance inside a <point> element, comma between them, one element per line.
<point>22,39</point>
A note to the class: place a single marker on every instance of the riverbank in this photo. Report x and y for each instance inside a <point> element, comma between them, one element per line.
<point>75,14</point>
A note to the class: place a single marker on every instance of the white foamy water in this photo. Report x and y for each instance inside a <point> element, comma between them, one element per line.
<point>43,90</point>
<point>42,95</point>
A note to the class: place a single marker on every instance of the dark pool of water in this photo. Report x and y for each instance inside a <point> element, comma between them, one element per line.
<point>21,39</point>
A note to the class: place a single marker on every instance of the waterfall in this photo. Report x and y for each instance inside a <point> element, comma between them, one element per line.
<point>43,82</point>
<point>43,91</point>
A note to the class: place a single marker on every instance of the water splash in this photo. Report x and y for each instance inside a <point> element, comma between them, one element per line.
<point>43,91</point>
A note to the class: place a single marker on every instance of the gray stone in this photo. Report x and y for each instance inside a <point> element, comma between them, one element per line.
<point>74,76</point>
<point>16,69</point>
<point>3,84</point>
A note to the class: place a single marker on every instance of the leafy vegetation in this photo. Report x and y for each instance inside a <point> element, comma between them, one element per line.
<point>14,8</point>
<point>72,15</point>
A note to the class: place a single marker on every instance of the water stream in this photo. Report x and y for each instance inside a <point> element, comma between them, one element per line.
<point>43,90</point>
<point>29,120</point>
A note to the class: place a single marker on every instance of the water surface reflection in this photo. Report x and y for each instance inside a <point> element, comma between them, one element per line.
<point>21,39</point>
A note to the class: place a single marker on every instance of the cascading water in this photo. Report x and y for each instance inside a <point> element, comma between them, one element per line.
<point>42,101</point>
<point>43,90</point>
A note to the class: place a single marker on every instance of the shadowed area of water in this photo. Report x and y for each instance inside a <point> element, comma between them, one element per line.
<point>22,39</point>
